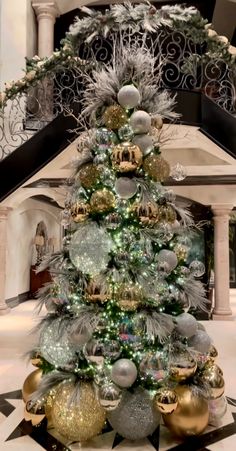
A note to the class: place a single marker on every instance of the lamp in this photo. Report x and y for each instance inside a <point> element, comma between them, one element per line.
<point>39,244</point>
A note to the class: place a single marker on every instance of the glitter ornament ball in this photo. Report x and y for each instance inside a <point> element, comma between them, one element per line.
<point>102,200</point>
<point>128,97</point>
<point>80,421</point>
<point>129,296</point>
<point>31,384</point>
<point>80,211</point>
<point>178,172</point>
<point>124,373</point>
<point>140,122</point>
<point>54,343</point>
<point>167,214</point>
<point>135,417</point>
<point>126,157</point>
<point>168,257</point>
<point>156,167</point>
<point>115,117</point>
<point>181,251</point>
<point>197,268</point>
<point>191,415</point>
<point>126,187</point>
<point>89,249</point>
<point>201,341</point>
<point>109,396</point>
<point>88,175</point>
<point>144,142</point>
<point>126,133</point>
<point>165,401</point>
<point>186,325</point>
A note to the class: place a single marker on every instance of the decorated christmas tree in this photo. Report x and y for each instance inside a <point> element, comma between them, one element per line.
<point>119,342</point>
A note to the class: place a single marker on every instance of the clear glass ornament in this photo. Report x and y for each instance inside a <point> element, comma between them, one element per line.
<point>126,133</point>
<point>165,233</point>
<point>178,172</point>
<point>197,268</point>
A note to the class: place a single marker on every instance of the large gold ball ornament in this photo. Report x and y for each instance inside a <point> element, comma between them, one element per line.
<point>81,421</point>
<point>183,367</point>
<point>97,291</point>
<point>126,157</point>
<point>129,296</point>
<point>166,401</point>
<point>156,167</point>
<point>147,213</point>
<point>89,175</point>
<point>102,200</point>
<point>79,211</point>
<point>167,214</point>
<point>31,384</point>
<point>191,415</point>
<point>213,375</point>
<point>115,117</point>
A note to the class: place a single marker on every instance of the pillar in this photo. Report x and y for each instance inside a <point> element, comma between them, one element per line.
<point>46,12</point>
<point>3,249</point>
<point>221,217</point>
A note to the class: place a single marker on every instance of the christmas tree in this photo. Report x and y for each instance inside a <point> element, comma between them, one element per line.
<point>119,343</point>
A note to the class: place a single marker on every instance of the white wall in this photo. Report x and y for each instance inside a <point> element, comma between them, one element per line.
<point>17,38</point>
<point>22,223</point>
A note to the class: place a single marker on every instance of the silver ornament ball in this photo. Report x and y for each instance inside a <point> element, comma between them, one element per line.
<point>125,187</point>
<point>144,142</point>
<point>197,268</point>
<point>54,343</point>
<point>186,325</point>
<point>124,373</point>
<point>109,396</point>
<point>140,122</point>
<point>128,97</point>
<point>135,417</point>
<point>201,342</point>
<point>169,257</point>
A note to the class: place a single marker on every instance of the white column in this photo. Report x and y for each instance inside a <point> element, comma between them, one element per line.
<point>3,248</point>
<point>46,12</point>
<point>221,309</point>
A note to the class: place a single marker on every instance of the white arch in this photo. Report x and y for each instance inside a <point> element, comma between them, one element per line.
<point>22,194</point>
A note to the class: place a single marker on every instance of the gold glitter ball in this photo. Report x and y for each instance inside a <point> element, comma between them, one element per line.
<point>89,175</point>
<point>79,211</point>
<point>80,421</point>
<point>156,167</point>
<point>181,251</point>
<point>102,200</point>
<point>126,157</point>
<point>129,296</point>
<point>115,117</point>
<point>167,214</point>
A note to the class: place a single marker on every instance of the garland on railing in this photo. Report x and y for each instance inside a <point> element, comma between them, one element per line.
<point>138,18</point>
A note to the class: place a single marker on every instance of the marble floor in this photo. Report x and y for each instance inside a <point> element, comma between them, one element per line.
<point>17,435</point>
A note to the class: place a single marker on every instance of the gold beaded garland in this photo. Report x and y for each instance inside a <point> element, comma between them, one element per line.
<point>129,296</point>
<point>80,211</point>
<point>88,175</point>
<point>115,117</point>
<point>167,214</point>
<point>80,421</point>
<point>147,213</point>
<point>102,200</point>
<point>156,167</point>
<point>166,401</point>
<point>126,157</point>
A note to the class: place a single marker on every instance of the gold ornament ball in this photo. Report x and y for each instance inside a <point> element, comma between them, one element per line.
<point>182,370</point>
<point>126,157</point>
<point>36,360</point>
<point>81,421</point>
<point>157,122</point>
<point>156,167</point>
<point>31,384</point>
<point>166,401</point>
<point>102,200</point>
<point>35,414</point>
<point>129,297</point>
<point>167,214</point>
<point>191,415</point>
<point>79,211</point>
<point>115,117</point>
<point>89,175</point>
<point>181,251</point>
<point>213,353</point>
<point>213,375</point>
<point>147,213</point>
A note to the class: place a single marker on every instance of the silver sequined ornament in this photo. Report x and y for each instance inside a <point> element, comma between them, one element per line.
<point>169,257</point>
<point>197,268</point>
<point>140,121</point>
<point>178,172</point>
<point>201,341</point>
<point>128,97</point>
<point>89,249</point>
<point>144,142</point>
<point>109,396</point>
<point>124,373</point>
<point>135,417</point>
<point>126,133</point>
<point>126,187</point>
<point>54,343</point>
<point>186,324</point>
